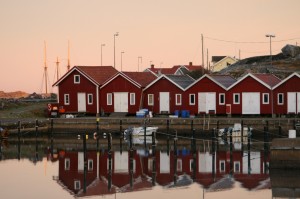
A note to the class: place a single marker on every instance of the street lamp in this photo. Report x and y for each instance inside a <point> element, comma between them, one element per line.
<point>121,60</point>
<point>101,52</point>
<point>115,35</point>
<point>139,62</point>
<point>270,35</point>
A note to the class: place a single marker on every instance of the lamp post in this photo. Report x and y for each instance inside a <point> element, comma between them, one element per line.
<point>121,60</point>
<point>270,35</point>
<point>101,53</point>
<point>139,62</point>
<point>115,35</point>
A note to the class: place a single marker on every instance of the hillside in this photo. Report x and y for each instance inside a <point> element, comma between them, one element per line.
<point>14,95</point>
<point>283,64</point>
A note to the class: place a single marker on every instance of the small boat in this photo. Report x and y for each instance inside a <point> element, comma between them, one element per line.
<point>140,130</point>
<point>236,131</point>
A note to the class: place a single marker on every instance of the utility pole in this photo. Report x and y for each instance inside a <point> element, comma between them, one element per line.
<point>68,66</point>
<point>202,54</point>
<point>45,67</point>
<point>208,68</point>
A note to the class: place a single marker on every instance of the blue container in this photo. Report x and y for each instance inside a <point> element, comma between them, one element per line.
<point>177,112</point>
<point>185,114</point>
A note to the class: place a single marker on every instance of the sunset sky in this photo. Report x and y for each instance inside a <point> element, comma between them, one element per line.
<point>165,33</point>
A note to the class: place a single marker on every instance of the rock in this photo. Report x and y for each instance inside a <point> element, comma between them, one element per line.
<point>291,50</point>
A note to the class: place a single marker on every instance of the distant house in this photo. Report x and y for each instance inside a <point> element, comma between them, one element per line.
<point>175,70</point>
<point>221,62</point>
<point>165,94</point>
<point>79,88</point>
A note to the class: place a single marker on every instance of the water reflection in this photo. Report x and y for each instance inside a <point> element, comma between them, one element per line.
<point>113,165</point>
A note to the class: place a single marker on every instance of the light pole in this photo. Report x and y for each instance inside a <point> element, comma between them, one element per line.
<point>270,35</point>
<point>139,62</point>
<point>101,53</point>
<point>121,60</point>
<point>115,35</point>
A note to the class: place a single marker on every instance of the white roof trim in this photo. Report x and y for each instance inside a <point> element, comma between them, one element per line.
<point>209,77</point>
<point>71,71</point>
<point>160,77</point>
<point>249,75</point>
<point>224,59</point>
<point>147,69</point>
<point>122,75</point>
<point>286,79</point>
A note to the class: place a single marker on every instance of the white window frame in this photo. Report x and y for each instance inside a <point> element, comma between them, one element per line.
<point>90,96</point>
<point>220,164</point>
<point>263,98</point>
<point>67,164</point>
<point>190,99</point>
<point>178,101</point>
<point>66,99</point>
<point>239,98</point>
<point>239,167</point>
<point>280,103</point>
<point>220,97</point>
<point>132,98</point>
<point>77,185</point>
<point>109,98</point>
<point>90,161</point>
<point>150,97</point>
<point>75,79</point>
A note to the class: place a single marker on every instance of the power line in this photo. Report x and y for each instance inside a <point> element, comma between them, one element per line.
<point>251,42</point>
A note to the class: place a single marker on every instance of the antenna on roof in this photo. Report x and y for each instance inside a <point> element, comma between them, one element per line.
<point>68,66</point>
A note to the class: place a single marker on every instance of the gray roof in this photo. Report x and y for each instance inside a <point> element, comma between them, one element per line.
<point>181,80</point>
<point>225,80</point>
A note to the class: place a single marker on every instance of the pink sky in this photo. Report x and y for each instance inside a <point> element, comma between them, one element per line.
<point>166,32</point>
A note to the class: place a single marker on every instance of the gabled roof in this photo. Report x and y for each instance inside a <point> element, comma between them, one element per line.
<point>223,81</point>
<point>269,79</point>
<point>181,81</point>
<point>174,69</point>
<point>96,74</point>
<point>257,78</point>
<point>286,79</point>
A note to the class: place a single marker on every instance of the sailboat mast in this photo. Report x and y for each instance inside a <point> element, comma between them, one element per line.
<point>45,66</point>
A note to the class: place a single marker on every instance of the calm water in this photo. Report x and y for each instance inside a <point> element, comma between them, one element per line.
<point>54,168</point>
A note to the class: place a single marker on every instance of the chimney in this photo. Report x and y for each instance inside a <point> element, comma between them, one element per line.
<point>191,63</point>
<point>152,66</point>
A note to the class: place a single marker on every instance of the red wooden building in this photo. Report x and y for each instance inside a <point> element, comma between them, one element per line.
<point>252,94</point>
<point>124,91</point>
<point>165,94</point>
<point>286,95</point>
<point>207,94</point>
<point>79,88</point>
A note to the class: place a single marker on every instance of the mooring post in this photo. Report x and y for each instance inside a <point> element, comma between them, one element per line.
<point>153,158</point>
<point>121,136</point>
<point>84,136</point>
<point>168,145</point>
<point>98,133</point>
<point>131,160</point>
<point>145,141</point>
<point>194,155</point>
<point>266,146</point>
<point>175,160</point>
<point>231,157</point>
<point>213,141</point>
<point>109,161</point>
<point>248,145</point>
<point>279,131</point>
<point>242,136</point>
<point>168,127</point>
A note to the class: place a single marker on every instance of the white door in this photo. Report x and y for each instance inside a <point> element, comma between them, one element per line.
<point>250,103</point>
<point>121,162</point>
<point>164,162</point>
<point>121,102</point>
<point>81,102</point>
<point>207,102</point>
<point>291,102</point>
<point>298,103</point>
<point>164,102</point>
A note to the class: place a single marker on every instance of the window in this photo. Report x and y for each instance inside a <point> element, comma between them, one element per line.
<point>132,98</point>
<point>76,79</point>
<point>109,99</point>
<point>76,184</point>
<point>222,166</point>
<point>280,99</point>
<point>192,99</point>
<point>67,164</point>
<point>150,100</point>
<point>66,99</point>
<point>265,98</point>
<point>179,165</point>
<point>178,99</point>
<point>236,98</point>
<point>90,98</point>
<point>90,165</point>
<point>236,167</point>
<point>222,98</point>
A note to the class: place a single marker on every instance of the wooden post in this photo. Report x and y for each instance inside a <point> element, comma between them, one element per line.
<point>98,133</point>
<point>153,158</point>
<point>279,131</point>
<point>175,160</point>
<point>168,145</point>
<point>194,155</point>
<point>231,157</point>
<point>84,162</point>
<point>130,161</point>
<point>145,141</point>
<point>248,144</point>
<point>242,136</point>
<point>213,141</point>
<point>121,136</point>
<point>36,141</point>
<point>109,161</point>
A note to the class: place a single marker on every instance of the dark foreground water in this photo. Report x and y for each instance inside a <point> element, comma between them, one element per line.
<point>61,167</point>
